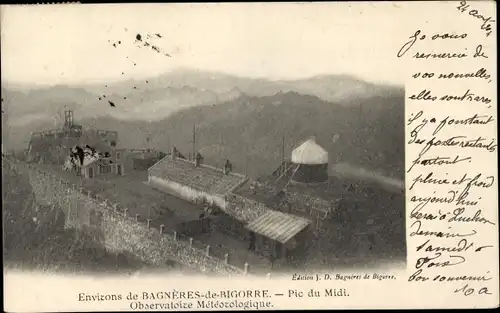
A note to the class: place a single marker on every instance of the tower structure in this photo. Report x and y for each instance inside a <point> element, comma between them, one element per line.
<point>311,162</point>
<point>68,120</point>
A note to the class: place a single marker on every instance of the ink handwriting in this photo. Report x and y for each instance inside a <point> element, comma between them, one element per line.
<point>450,138</point>
<point>487,22</point>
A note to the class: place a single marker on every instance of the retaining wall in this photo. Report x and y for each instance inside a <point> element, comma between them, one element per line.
<point>117,231</point>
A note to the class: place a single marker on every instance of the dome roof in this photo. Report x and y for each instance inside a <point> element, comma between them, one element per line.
<point>310,152</point>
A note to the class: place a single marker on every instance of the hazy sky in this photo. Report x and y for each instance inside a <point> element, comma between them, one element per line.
<point>69,43</point>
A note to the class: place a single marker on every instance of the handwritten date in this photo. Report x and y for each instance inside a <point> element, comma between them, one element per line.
<point>488,22</point>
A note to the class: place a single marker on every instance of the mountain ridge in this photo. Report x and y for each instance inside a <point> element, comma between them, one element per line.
<point>193,88</point>
<point>249,131</point>
<point>243,120</point>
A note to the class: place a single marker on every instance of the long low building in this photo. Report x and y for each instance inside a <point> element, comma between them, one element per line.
<point>194,181</point>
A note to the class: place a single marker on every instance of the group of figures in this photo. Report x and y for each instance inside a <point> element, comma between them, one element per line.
<point>80,157</point>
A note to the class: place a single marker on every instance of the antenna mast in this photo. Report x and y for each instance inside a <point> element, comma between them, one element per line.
<point>246,160</point>
<point>283,149</point>
<point>194,141</point>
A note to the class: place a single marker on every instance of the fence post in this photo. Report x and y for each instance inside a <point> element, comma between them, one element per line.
<point>207,251</point>
<point>162,227</point>
<point>115,207</point>
<point>175,235</point>
<point>125,212</point>
<point>149,222</point>
<point>190,242</point>
<point>137,217</point>
<point>245,269</point>
<point>226,258</point>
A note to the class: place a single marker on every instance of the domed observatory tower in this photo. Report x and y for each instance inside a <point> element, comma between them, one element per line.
<point>312,163</point>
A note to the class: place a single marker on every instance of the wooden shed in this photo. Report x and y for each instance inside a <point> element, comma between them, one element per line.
<point>278,236</point>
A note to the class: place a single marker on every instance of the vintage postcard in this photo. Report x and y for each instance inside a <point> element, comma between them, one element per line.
<point>249,156</point>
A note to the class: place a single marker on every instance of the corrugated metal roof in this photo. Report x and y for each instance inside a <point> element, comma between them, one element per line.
<point>278,226</point>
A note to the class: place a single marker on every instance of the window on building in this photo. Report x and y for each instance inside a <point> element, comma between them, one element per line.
<point>104,169</point>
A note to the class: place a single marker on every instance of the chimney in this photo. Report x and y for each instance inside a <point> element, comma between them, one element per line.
<point>198,159</point>
<point>227,167</point>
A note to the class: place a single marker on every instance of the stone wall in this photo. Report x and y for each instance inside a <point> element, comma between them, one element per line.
<point>304,203</point>
<point>119,232</point>
<point>244,209</point>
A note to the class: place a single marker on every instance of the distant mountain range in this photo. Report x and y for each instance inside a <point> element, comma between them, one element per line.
<point>242,119</point>
<point>158,97</point>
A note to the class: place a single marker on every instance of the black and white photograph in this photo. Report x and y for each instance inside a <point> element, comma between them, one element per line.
<point>146,141</point>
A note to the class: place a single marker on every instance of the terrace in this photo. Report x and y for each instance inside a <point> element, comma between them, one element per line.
<point>299,197</point>
<point>131,192</point>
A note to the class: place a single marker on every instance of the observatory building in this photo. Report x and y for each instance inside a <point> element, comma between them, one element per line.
<point>311,163</point>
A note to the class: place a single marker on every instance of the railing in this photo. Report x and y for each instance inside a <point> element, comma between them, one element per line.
<point>282,169</point>
<point>184,249</point>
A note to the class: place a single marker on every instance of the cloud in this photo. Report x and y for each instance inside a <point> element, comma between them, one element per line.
<point>29,119</point>
<point>253,40</point>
